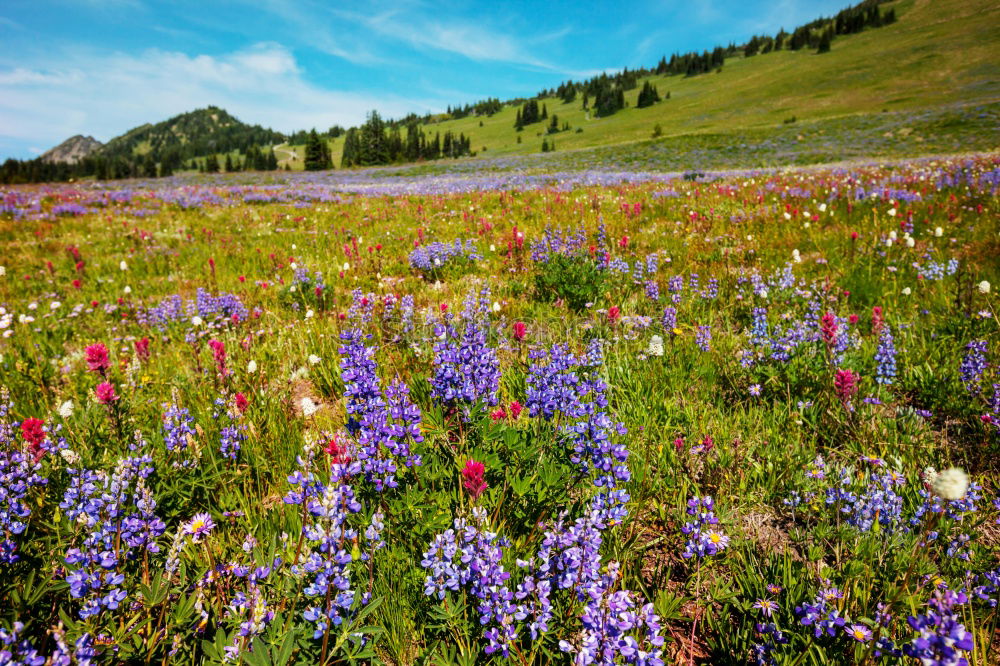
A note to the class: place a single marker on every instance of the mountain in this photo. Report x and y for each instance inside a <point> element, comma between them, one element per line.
<point>193,134</point>
<point>72,150</point>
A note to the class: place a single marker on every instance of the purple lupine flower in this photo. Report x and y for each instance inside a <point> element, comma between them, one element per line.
<point>466,368</point>
<point>942,638</point>
<point>820,614</point>
<point>885,357</point>
<point>973,365</point>
<point>434,256</point>
<point>703,339</point>
<point>233,434</point>
<point>19,473</point>
<point>177,427</point>
<point>115,516</point>
<point>16,650</point>
<point>669,320</point>
<point>704,539</point>
<point>652,290</point>
<point>383,424</point>
<point>469,556</point>
<point>616,626</point>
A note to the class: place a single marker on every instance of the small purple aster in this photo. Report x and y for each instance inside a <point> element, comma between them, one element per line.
<point>199,526</point>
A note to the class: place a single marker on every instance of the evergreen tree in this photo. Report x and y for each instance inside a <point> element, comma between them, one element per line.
<point>229,163</point>
<point>212,164</point>
<point>824,42</point>
<point>149,166</point>
<point>317,153</point>
<point>648,96</point>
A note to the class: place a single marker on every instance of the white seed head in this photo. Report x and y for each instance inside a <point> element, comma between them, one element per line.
<point>951,484</point>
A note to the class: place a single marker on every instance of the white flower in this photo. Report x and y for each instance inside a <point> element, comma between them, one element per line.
<point>910,242</point>
<point>493,248</point>
<point>984,287</point>
<point>128,289</point>
<point>313,359</point>
<point>294,246</point>
<point>309,314</point>
<point>292,288</point>
<point>762,293</point>
<point>436,286</point>
<point>293,265</point>
<point>197,321</point>
<point>71,457</point>
<point>906,291</point>
<point>822,208</point>
<point>252,367</point>
<point>54,305</point>
<point>32,306</point>
<point>806,225</point>
<point>25,319</point>
<point>788,216</point>
<point>892,212</point>
<point>938,232</point>
<point>437,262</point>
<point>123,265</point>
<point>951,484</point>
<point>796,257</point>
<point>892,235</point>
<point>308,406</point>
<point>496,306</point>
<point>3,271</point>
<point>346,267</point>
<point>655,347</point>
<point>66,409</point>
<point>888,242</point>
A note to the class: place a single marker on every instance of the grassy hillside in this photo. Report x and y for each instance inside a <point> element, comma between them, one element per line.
<point>937,53</point>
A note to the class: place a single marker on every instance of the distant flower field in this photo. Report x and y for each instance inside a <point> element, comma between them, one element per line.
<point>574,417</point>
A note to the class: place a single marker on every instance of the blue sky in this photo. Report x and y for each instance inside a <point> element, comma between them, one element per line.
<point>101,67</point>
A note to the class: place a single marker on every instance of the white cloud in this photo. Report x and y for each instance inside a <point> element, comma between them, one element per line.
<point>105,94</point>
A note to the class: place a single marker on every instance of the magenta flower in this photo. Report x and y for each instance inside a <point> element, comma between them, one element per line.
<point>472,478</point>
<point>97,358</point>
<point>845,383</point>
<point>105,393</point>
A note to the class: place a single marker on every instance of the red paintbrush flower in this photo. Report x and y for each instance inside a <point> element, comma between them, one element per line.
<point>97,358</point>
<point>472,478</point>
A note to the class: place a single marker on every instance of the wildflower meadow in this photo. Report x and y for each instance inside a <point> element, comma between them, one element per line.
<point>586,417</point>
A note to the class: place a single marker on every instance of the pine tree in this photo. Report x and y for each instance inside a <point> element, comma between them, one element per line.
<point>229,163</point>
<point>315,158</point>
<point>824,42</point>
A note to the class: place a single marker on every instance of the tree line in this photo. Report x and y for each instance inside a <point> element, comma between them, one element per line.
<point>378,142</point>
